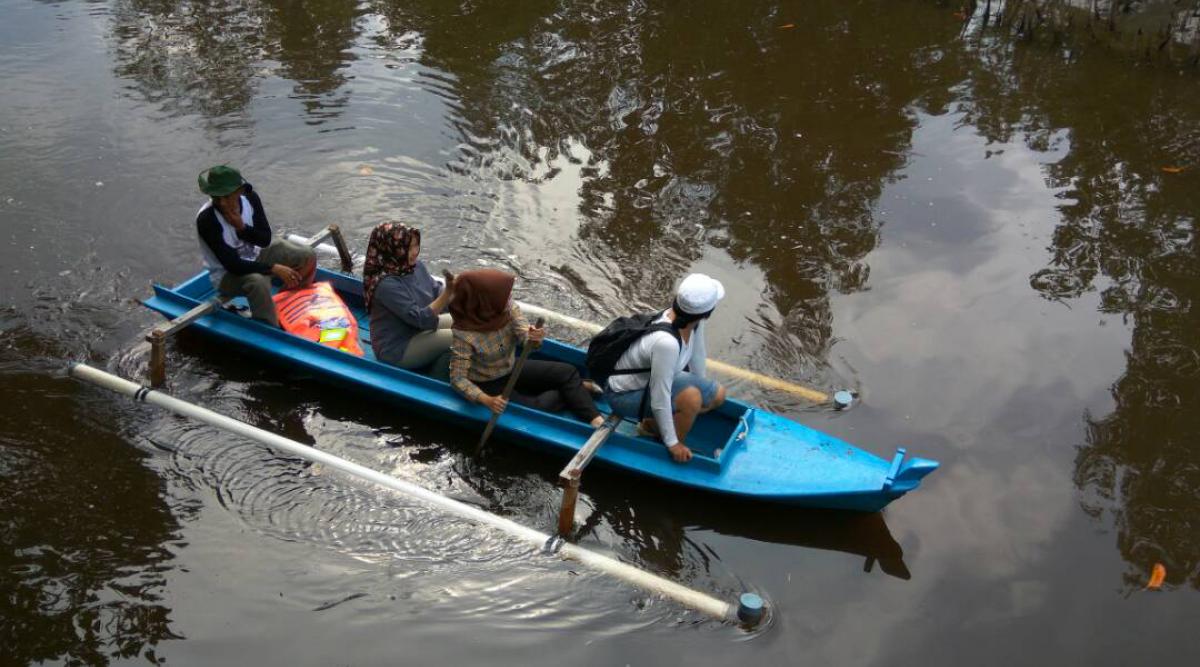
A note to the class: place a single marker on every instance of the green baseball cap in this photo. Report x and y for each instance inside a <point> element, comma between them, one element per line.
<point>220,180</point>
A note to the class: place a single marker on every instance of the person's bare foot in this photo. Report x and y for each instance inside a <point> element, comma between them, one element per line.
<point>648,427</point>
<point>597,421</point>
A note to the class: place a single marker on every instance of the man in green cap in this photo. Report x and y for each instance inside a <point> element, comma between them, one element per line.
<point>235,239</point>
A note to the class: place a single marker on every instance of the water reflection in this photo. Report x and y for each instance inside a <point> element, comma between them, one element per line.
<point>85,556</point>
<point>210,58</point>
<point>679,143</point>
<point>767,136</point>
<point>190,57</point>
<point>1166,32</point>
<point>1130,195</point>
<point>653,524</point>
<point>312,41</point>
<point>293,501</point>
<point>686,140</point>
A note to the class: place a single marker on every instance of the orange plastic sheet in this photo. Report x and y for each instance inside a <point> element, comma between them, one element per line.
<point>318,314</point>
<point>1157,574</point>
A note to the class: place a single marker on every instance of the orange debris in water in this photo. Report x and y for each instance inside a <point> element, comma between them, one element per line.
<point>1173,170</point>
<point>1157,574</point>
<point>787,26</point>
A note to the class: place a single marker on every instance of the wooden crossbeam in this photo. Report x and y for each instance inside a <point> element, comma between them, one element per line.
<point>588,451</point>
<point>339,242</point>
<point>157,337</point>
<point>171,327</point>
<point>319,238</point>
<point>572,474</point>
<point>335,233</point>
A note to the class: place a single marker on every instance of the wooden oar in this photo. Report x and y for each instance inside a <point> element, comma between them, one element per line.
<point>508,388</point>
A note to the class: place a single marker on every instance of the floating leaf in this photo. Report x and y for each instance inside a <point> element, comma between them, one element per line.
<point>365,170</point>
<point>787,26</point>
<point>1173,170</point>
<point>1157,574</point>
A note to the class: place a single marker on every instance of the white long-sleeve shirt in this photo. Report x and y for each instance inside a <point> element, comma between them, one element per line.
<point>664,357</point>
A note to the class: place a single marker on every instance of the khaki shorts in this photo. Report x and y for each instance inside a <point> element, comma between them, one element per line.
<point>256,287</point>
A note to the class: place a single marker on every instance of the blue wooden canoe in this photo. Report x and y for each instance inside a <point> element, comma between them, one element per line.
<point>739,450</point>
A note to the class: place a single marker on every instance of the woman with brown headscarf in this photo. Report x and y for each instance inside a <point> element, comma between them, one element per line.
<point>405,303</point>
<point>487,328</point>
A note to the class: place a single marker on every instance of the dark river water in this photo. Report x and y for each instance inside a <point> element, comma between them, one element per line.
<point>993,242</point>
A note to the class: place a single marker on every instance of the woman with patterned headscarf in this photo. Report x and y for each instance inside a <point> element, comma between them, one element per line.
<point>405,303</point>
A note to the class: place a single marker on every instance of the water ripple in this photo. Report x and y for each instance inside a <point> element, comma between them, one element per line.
<point>479,573</point>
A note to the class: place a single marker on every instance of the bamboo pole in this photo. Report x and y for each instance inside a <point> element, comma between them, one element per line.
<point>693,599</point>
<point>729,370</point>
<point>719,366</point>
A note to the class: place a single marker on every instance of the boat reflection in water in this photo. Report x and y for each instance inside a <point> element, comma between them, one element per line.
<point>649,520</point>
<point>656,523</point>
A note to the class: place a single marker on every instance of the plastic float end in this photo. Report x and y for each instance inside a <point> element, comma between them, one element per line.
<point>842,400</point>
<point>750,608</point>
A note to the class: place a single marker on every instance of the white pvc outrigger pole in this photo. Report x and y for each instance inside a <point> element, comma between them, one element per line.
<point>750,606</point>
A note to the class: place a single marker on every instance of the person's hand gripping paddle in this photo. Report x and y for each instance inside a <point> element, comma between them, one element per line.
<point>508,387</point>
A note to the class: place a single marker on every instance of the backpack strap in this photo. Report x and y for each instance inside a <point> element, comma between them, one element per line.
<point>660,326</point>
<point>652,328</point>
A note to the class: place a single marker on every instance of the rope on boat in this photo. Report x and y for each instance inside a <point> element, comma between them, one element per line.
<point>683,595</point>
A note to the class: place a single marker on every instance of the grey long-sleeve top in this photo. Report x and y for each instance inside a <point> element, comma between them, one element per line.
<point>663,355</point>
<point>400,310</point>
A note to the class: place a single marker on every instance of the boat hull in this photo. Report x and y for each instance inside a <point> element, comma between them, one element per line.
<point>738,450</point>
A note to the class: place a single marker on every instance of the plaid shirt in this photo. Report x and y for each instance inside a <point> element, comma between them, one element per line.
<point>477,356</point>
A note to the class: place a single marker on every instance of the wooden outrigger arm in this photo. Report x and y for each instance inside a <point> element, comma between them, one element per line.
<point>570,477</point>
<point>157,337</point>
<point>339,242</point>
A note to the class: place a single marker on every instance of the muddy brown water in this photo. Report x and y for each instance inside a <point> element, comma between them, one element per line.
<point>993,242</point>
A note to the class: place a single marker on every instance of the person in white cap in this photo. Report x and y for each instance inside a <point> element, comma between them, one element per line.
<point>668,398</point>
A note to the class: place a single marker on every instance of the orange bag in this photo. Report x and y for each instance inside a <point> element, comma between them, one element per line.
<point>318,314</point>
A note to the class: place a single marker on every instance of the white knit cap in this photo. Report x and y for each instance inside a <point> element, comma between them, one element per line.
<point>698,294</point>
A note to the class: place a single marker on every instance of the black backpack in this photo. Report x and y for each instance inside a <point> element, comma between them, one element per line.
<point>607,346</point>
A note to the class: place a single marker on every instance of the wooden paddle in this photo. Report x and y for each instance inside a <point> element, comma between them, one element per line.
<point>508,388</point>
